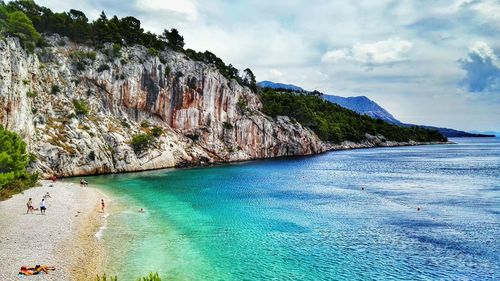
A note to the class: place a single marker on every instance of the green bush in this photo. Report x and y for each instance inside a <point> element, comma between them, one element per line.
<point>105,278</point>
<point>168,71</point>
<point>125,123</point>
<point>78,55</point>
<point>156,132</point>
<point>14,177</point>
<point>31,94</point>
<point>150,277</point>
<point>80,66</point>
<point>243,105</point>
<point>54,90</point>
<point>153,52</point>
<point>141,142</point>
<point>103,67</point>
<point>145,124</point>
<point>227,126</point>
<point>81,107</point>
<point>116,51</point>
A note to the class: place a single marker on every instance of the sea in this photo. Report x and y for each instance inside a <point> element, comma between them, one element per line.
<point>405,213</point>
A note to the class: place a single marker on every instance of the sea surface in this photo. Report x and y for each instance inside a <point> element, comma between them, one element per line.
<point>343,215</point>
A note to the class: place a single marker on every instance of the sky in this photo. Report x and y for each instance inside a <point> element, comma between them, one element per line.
<point>432,62</point>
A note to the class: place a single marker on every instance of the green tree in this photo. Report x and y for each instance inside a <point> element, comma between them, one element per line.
<point>19,25</point>
<point>249,79</point>
<point>173,39</point>
<point>14,159</point>
<point>130,30</point>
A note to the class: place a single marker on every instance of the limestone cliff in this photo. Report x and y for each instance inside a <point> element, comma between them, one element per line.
<point>205,117</point>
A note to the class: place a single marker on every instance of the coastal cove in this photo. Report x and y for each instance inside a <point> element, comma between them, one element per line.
<point>343,215</point>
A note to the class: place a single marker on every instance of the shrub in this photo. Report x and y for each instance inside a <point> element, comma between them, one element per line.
<point>153,52</point>
<point>227,126</point>
<point>55,90</point>
<point>14,177</point>
<point>141,142</point>
<point>116,51</point>
<point>104,278</point>
<point>145,124</point>
<point>80,66</point>
<point>243,105</point>
<point>31,94</point>
<point>125,123</point>
<point>168,71</point>
<point>78,55</point>
<point>193,137</point>
<point>81,107</point>
<point>103,67</point>
<point>150,277</point>
<point>156,132</point>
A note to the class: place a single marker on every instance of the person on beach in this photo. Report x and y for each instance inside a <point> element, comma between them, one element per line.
<point>83,183</point>
<point>35,270</point>
<point>43,268</point>
<point>102,205</point>
<point>30,206</point>
<point>47,195</point>
<point>42,207</point>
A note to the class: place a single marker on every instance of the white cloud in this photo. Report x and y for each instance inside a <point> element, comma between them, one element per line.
<point>322,46</point>
<point>185,7</point>
<point>387,51</point>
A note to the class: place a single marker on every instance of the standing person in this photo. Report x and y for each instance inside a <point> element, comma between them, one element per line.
<point>102,205</point>
<point>30,206</point>
<point>42,207</point>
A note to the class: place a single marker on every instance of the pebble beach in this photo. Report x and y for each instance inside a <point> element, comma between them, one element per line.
<point>65,237</point>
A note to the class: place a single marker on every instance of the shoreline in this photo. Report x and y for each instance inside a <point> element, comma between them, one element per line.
<point>331,148</point>
<point>64,237</point>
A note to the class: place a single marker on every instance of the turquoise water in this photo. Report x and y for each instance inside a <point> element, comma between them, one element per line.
<point>346,215</point>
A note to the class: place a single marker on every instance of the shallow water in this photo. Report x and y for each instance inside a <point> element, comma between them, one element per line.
<point>345,215</point>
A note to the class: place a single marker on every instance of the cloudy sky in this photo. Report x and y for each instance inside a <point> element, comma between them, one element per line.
<point>433,62</point>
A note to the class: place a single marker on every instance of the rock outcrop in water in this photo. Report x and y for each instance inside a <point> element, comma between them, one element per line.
<point>205,117</point>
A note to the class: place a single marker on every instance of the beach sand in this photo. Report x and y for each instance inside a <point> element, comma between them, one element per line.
<point>64,237</point>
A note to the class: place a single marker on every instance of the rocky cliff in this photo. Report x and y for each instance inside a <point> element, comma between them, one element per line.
<point>205,118</point>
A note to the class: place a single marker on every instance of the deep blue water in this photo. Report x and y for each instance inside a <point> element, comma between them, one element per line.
<point>344,215</point>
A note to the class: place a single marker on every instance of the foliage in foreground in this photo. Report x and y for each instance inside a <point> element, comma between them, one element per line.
<point>150,277</point>
<point>334,123</point>
<point>14,159</point>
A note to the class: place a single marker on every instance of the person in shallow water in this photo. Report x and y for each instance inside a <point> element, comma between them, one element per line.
<point>42,207</point>
<point>102,205</point>
<point>141,210</point>
<point>30,206</point>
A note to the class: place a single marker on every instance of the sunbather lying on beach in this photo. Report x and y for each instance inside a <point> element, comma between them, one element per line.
<point>43,268</point>
<point>27,270</point>
<point>35,270</point>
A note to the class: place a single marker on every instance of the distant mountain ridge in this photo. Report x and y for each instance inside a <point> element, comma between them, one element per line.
<point>289,87</point>
<point>366,106</point>
<point>363,105</point>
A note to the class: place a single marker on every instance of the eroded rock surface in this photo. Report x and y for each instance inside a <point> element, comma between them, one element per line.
<point>205,117</point>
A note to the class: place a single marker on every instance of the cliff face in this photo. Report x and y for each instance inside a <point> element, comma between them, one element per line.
<point>205,117</point>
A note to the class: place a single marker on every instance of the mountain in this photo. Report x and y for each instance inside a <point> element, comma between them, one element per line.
<point>364,105</point>
<point>272,85</point>
<point>490,133</point>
